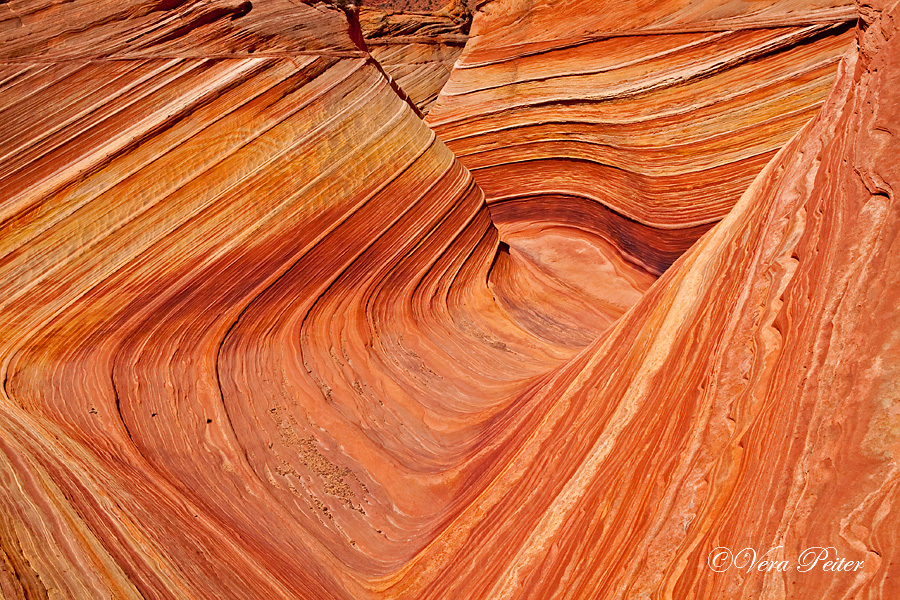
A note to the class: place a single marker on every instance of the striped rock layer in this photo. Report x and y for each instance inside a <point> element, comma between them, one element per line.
<point>260,337</point>
<point>643,125</point>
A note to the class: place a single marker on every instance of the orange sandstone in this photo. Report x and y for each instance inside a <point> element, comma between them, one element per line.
<point>260,336</point>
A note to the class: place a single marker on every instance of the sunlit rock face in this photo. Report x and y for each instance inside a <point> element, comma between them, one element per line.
<point>262,335</point>
<point>748,400</point>
<point>642,124</point>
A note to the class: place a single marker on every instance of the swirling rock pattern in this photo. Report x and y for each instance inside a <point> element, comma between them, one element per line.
<point>648,123</point>
<point>782,431</point>
<point>260,337</point>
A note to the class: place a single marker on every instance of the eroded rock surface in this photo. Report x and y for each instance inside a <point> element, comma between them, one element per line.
<point>417,49</point>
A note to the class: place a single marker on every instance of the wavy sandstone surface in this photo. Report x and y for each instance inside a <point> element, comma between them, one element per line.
<point>641,125</point>
<point>262,335</point>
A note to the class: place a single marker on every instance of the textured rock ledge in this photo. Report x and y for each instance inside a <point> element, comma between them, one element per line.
<point>417,50</point>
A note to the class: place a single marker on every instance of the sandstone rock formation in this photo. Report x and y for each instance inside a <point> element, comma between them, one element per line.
<point>648,122</point>
<point>417,49</point>
<point>262,335</point>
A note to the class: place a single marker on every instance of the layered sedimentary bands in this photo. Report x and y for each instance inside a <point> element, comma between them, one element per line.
<point>262,335</point>
<point>647,122</point>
